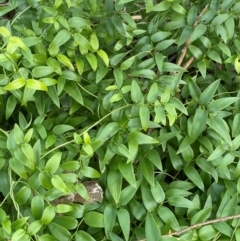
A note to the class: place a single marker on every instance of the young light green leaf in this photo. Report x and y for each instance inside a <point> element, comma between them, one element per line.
<point>65,60</point>
<point>103,55</point>
<point>92,60</point>
<point>48,215</point>
<point>36,85</point>
<point>59,184</point>
<point>15,84</point>
<point>53,163</point>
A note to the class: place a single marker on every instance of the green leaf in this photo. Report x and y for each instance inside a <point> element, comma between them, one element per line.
<point>174,158</point>
<point>37,207</point>
<point>207,95</point>
<point>58,183</point>
<point>212,54</point>
<point>110,213</point>
<point>63,208</point>
<point>48,215</point>
<point>83,236</point>
<point>154,157</point>
<point>196,52</point>
<point>147,170</point>
<point>34,227</point>
<point>124,221</point>
<point>167,216</point>
<point>219,104</point>
<point>11,104</point>
<point>127,172</point>
<point>103,55</point>
<point>59,232</point>
<point>23,195</point>
<point>108,131</point>
<point>61,38</point>
<point>117,22</point>
<point>41,71</point>
<point>60,129</point>
<point>90,172</point>
<point>127,63</point>
<point>160,7</point>
<point>28,152</point>
<point>152,230</point>
<point>137,210</point>
<point>198,124</point>
<point>18,168</point>
<point>207,232</point>
<point>136,93</point>
<point>77,22</point>
<point>53,163</point>
<point>92,60</point>
<point>198,31</point>
<point>65,60</point>
<point>73,90</point>
<point>127,194</point>
<point>141,138</point>
<point>192,15</point>
<point>201,216</point>
<point>144,73</point>
<point>94,219</point>
<point>147,197</point>
<point>158,192</point>
<point>186,33</point>
<point>114,183</point>
<point>181,202</point>
<point>220,126</point>
<point>144,114</point>
<point>15,84</point>
<point>36,85</point>
<point>193,175</point>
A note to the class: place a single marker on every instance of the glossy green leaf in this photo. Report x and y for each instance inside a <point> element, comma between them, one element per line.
<point>94,219</point>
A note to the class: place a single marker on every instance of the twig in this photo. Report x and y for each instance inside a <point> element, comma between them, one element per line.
<point>217,220</point>
<point>184,50</point>
<point>197,225</point>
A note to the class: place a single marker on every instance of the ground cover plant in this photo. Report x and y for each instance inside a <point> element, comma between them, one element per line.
<point>119,120</point>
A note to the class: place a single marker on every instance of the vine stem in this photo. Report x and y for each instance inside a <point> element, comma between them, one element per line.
<point>197,225</point>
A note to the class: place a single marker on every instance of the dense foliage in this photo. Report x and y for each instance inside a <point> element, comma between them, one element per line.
<point>141,97</point>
